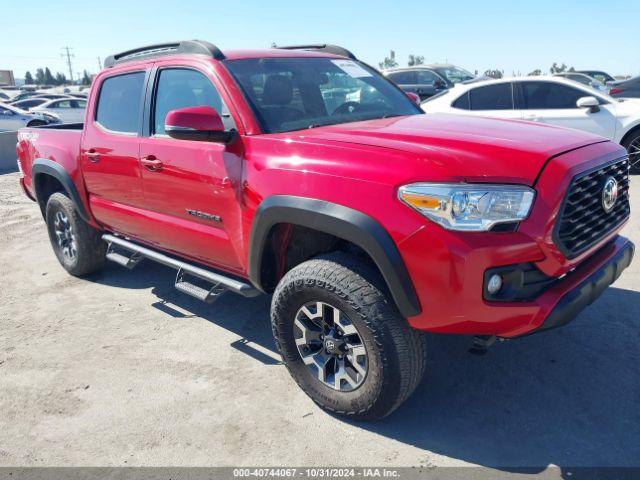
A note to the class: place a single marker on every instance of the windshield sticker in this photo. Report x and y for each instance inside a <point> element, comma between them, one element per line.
<point>351,68</point>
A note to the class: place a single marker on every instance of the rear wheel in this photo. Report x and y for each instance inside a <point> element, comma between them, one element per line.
<point>343,340</point>
<point>78,246</point>
<point>632,144</point>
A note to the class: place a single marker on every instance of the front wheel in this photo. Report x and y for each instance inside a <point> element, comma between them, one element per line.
<point>343,340</point>
<point>78,246</point>
<point>632,144</point>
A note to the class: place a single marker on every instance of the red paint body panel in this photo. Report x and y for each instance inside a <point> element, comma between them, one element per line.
<point>358,165</point>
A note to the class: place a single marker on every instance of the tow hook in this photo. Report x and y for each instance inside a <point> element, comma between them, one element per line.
<point>481,344</point>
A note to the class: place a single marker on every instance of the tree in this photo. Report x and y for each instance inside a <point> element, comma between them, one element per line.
<point>415,60</point>
<point>28,79</point>
<point>86,78</point>
<point>39,76</point>
<point>494,73</point>
<point>536,73</point>
<point>389,62</point>
<point>60,79</point>
<point>555,68</point>
<point>48,78</point>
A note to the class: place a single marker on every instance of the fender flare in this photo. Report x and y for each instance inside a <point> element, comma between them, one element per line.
<point>342,222</point>
<point>42,166</point>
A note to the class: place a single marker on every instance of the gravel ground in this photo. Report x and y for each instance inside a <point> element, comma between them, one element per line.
<point>120,370</point>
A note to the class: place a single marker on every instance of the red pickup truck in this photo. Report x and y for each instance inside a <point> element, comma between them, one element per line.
<point>303,173</point>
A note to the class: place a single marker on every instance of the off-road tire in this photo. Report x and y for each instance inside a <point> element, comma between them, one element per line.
<point>90,248</point>
<point>396,353</point>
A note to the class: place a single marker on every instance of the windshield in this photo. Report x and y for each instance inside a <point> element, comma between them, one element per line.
<point>296,93</point>
<point>455,74</point>
<point>600,76</point>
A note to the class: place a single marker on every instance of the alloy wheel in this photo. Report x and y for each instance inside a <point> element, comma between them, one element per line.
<point>330,346</point>
<point>634,153</point>
<point>65,237</point>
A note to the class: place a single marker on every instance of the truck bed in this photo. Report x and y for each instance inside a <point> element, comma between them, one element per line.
<point>57,143</point>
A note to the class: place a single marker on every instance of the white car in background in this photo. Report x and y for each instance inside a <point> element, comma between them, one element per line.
<point>12,118</point>
<point>68,110</point>
<point>553,100</point>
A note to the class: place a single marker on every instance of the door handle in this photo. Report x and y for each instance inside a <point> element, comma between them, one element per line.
<point>93,156</point>
<point>151,163</point>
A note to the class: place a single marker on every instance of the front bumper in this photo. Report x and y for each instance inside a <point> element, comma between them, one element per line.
<point>589,289</point>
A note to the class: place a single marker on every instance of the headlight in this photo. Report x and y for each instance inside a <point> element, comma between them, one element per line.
<point>468,207</point>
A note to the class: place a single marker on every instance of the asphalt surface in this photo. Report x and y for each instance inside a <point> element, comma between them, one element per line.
<point>120,369</point>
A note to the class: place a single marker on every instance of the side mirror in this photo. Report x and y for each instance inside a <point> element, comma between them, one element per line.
<point>197,123</point>
<point>439,84</point>
<point>413,97</point>
<point>589,102</point>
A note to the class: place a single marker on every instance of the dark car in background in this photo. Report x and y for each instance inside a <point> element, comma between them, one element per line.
<point>599,75</point>
<point>428,80</point>
<point>626,88</point>
<point>584,79</point>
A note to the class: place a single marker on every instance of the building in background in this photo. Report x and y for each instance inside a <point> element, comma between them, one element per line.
<point>6,78</point>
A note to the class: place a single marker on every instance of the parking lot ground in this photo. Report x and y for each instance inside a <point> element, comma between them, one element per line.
<point>119,369</point>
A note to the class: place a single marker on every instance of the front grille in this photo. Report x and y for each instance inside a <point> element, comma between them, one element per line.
<point>583,221</point>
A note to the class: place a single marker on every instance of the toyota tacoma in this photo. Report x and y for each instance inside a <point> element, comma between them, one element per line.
<point>303,173</point>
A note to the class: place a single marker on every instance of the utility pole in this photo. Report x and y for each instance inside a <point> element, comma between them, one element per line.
<point>67,53</point>
<point>99,64</point>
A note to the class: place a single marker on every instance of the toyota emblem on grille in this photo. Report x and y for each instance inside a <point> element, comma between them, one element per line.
<point>609,194</point>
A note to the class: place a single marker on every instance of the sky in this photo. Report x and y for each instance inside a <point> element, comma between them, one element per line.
<point>515,36</point>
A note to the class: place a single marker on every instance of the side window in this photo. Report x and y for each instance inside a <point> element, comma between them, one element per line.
<point>78,103</point>
<point>402,78</point>
<point>61,104</point>
<point>425,77</point>
<point>462,102</point>
<point>547,95</point>
<point>180,88</point>
<point>492,97</point>
<point>119,102</point>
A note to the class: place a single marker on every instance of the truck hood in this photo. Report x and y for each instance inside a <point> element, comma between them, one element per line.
<point>467,148</point>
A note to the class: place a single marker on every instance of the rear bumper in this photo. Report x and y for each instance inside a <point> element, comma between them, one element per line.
<point>589,289</point>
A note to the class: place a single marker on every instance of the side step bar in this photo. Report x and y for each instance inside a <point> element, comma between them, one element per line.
<point>218,282</point>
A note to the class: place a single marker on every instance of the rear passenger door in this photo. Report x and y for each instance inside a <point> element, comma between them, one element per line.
<point>494,100</point>
<point>109,152</point>
<point>192,199</point>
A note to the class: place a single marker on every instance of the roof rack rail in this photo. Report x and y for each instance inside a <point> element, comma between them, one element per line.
<point>322,47</point>
<point>188,47</point>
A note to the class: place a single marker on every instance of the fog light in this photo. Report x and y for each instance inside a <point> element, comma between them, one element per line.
<point>495,284</point>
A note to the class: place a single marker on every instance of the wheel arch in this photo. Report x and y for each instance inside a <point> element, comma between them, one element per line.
<point>635,129</point>
<point>50,177</point>
<point>343,223</point>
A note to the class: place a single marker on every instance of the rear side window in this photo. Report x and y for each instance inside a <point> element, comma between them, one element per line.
<point>492,97</point>
<point>119,102</point>
<point>462,102</point>
<point>547,95</point>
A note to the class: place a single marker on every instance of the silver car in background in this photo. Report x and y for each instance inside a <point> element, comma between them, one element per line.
<point>12,118</point>
<point>68,110</point>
